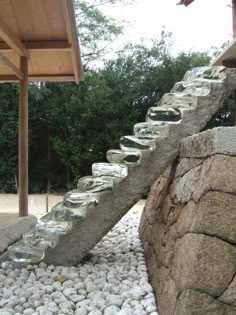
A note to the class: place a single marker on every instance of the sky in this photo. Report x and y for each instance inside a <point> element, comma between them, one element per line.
<point>199,26</point>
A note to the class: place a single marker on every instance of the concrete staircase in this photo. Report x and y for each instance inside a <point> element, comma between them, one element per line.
<point>199,96</point>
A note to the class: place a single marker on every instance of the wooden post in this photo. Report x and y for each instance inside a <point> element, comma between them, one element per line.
<point>234,17</point>
<point>234,36</point>
<point>23,139</point>
<point>234,107</point>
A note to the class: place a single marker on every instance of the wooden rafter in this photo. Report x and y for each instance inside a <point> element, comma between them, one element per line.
<point>10,65</point>
<point>59,45</point>
<point>12,40</point>
<point>39,78</point>
<point>56,77</point>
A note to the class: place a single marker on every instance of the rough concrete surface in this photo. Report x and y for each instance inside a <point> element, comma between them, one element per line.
<point>12,227</point>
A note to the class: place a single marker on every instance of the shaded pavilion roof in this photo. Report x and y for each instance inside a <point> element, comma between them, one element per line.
<point>228,56</point>
<point>45,32</point>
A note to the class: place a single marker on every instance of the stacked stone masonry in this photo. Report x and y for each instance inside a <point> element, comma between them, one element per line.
<point>188,228</point>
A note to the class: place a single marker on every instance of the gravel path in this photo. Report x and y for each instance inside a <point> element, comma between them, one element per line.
<point>111,281</point>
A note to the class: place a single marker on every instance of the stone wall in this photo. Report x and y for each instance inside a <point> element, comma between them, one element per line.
<point>188,228</point>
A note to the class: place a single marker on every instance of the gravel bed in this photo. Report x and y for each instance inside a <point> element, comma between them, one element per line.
<point>112,280</point>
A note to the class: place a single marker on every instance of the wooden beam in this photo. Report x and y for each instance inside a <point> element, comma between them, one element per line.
<point>62,45</point>
<point>23,139</point>
<point>229,63</point>
<point>11,65</point>
<point>39,78</point>
<point>68,10</point>
<point>8,78</point>
<point>226,56</point>
<point>12,40</point>
<point>53,78</point>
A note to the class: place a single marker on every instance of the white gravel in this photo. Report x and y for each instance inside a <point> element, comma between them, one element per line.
<point>112,281</point>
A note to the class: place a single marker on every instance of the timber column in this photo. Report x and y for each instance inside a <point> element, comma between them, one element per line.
<point>23,139</point>
<point>234,36</point>
<point>234,17</point>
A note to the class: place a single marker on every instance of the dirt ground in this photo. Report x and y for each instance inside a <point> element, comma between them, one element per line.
<point>38,202</point>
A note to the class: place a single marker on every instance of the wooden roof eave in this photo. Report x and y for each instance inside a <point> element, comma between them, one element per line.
<point>24,48</point>
<point>73,39</point>
<point>228,56</point>
<point>40,45</point>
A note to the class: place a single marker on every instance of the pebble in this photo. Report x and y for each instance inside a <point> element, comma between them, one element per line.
<point>125,311</point>
<point>81,312</point>
<point>69,291</point>
<point>68,284</point>
<point>28,311</point>
<point>5,311</point>
<point>137,292</point>
<point>151,308</point>
<point>114,300</point>
<point>111,310</point>
<point>96,295</point>
<point>95,312</point>
<point>113,281</point>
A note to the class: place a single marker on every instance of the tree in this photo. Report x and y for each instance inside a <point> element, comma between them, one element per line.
<point>72,126</point>
<point>225,116</point>
<point>87,120</point>
<point>8,137</point>
<point>96,30</point>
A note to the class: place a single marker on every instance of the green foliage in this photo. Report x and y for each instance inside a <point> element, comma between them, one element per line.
<point>72,126</point>
<point>96,30</point>
<point>224,117</point>
<point>85,120</point>
<point>8,136</point>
